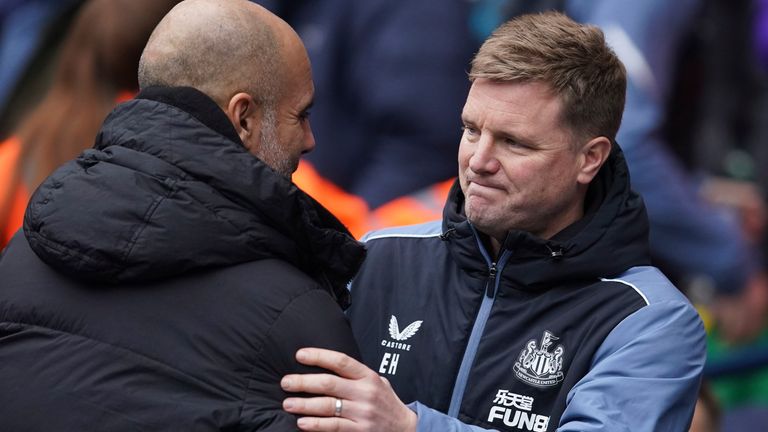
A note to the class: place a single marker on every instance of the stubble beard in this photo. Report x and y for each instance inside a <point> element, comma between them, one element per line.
<point>270,151</point>
<point>485,221</point>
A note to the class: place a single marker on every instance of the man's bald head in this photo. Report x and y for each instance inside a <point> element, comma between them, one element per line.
<point>220,47</point>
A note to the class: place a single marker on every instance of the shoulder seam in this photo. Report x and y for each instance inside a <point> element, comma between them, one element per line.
<point>647,302</point>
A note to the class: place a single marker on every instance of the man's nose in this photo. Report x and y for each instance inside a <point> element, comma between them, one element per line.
<point>484,160</point>
<point>309,139</point>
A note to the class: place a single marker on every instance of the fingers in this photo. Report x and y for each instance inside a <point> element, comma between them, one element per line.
<point>320,384</point>
<point>339,363</point>
<point>319,406</point>
<point>325,410</point>
<point>328,424</point>
<point>353,384</point>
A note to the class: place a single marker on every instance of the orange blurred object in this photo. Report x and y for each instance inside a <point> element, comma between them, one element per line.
<point>351,210</point>
<point>13,192</point>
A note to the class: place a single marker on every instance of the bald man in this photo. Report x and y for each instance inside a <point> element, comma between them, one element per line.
<point>165,278</point>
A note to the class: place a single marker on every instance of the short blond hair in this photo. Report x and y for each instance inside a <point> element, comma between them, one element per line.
<point>572,58</point>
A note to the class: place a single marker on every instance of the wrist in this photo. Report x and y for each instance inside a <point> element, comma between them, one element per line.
<point>412,421</point>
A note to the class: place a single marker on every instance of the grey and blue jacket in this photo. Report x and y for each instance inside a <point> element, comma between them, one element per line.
<point>574,333</point>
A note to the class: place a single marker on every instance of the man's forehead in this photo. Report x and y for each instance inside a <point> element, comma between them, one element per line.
<point>513,97</point>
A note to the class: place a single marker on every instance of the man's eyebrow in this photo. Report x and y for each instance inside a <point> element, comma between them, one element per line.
<point>309,105</point>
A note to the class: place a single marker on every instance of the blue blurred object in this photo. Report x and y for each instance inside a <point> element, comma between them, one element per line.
<point>745,419</point>
<point>736,361</point>
<point>22,28</point>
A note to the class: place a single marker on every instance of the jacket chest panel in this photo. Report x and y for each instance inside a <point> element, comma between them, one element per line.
<point>415,334</point>
<point>519,379</point>
<point>534,350</point>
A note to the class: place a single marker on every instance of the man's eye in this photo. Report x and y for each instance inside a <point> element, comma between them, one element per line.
<point>512,142</point>
<point>304,115</point>
<point>469,130</point>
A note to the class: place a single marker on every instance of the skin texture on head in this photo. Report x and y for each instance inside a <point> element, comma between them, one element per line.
<point>519,167</point>
<point>250,62</point>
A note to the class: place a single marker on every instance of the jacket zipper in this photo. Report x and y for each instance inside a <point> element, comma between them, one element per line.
<point>491,288</point>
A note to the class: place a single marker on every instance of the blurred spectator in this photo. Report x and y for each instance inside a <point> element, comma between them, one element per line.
<point>726,83</point>
<point>739,379</point>
<point>390,79</point>
<point>721,119</point>
<point>23,26</point>
<point>691,238</point>
<point>96,68</point>
<point>720,115</point>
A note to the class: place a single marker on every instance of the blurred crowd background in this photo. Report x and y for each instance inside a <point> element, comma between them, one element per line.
<point>391,79</point>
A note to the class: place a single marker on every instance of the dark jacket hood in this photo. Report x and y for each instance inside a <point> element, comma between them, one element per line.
<point>612,236</point>
<point>169,188</point>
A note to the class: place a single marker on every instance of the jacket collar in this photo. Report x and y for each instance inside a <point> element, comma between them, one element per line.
<point>195,103</point>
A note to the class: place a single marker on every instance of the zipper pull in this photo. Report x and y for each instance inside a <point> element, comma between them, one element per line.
<point>491,286</point>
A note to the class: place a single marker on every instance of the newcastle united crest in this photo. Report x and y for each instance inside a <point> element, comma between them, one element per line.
<point>540,367</point>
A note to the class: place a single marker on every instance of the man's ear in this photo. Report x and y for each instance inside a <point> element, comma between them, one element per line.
<point>245,116</point>
<point>592,156</point>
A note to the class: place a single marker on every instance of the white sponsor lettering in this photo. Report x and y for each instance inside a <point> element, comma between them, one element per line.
<point>519,419</point>
<point>396,345</point>
<point>504,397</point>
<point>524,419</point>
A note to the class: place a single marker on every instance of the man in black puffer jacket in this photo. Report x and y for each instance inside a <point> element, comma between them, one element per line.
<point>165,278</point>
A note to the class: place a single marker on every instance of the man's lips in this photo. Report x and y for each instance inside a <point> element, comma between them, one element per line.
<point>483,184</point>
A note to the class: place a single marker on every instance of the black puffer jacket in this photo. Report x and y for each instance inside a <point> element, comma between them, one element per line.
<point>164,281</point>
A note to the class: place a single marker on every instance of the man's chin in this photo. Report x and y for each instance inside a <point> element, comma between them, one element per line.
<point>484,222</point>
<point>476,209</point>
<point>287,170</point>
<point>478,221</point>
